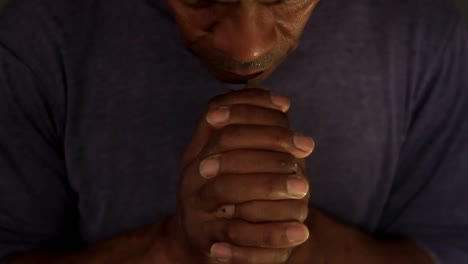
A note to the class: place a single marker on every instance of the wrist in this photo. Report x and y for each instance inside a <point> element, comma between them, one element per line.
<point>334,241</point>
<point>338,242</point>
<point>168,245</point>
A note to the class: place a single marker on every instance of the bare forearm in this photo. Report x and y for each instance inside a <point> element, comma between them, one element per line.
<point>140,247</point>
<point>397,252</point>
<point>336,243</point>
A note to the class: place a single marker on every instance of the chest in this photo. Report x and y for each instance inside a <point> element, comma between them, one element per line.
<point>127,128</point>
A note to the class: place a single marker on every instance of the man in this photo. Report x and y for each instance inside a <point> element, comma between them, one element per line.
<point>98,100</point>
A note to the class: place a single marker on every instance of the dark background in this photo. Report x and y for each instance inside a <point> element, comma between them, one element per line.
<point>462,4</point>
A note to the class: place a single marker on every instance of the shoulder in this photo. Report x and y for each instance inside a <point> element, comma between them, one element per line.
<point>29,26</point>
<point>433,16</point>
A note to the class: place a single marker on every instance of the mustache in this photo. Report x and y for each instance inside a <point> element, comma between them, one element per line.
<point>219,59</point>
<point>232,64</point>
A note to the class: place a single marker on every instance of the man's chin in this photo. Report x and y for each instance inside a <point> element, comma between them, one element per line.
<point>239,78</point>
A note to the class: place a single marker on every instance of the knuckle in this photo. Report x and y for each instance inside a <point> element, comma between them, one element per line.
<point>278,139</point>
<point>240,111</point>
<point>232,232</point>
<point>266,238</point>
<point>268,186</point>
<point>251,214</point>
<point>212,191</point>
<point>224,138</point>
<point>228,134</point>
<point>240,212</point>
<point>254,211</point>
<point>282,138</point>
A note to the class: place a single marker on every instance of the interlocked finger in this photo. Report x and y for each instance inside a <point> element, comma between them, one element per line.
<point>241,188</point>
<point>248,162</point>
<point>246,114</point>
<point>258,97</point>
<point>260,211</point>
<point>259,235</point>
<point>226,253</point>
<point>259,137</point>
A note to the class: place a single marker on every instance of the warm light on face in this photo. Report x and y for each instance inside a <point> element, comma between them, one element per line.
<point>241,40</point>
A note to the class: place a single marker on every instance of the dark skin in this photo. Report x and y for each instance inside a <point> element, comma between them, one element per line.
<point>243,195</point>
<point>254,146</point>
<point>241,41</point>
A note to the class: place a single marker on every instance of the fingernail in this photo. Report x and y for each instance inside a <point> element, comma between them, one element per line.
<point>297,186</point>
<point>209,168</point>
<point>221,252</point>
<point>218,116</point>
<point>281,101</point>
<point>297,234</point>
<point>303,143</point>
<point>226,211</point>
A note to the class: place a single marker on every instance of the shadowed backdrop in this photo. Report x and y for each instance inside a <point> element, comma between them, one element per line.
<point>462,4</point>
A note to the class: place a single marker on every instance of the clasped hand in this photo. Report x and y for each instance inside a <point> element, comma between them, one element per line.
<point>243,196</point>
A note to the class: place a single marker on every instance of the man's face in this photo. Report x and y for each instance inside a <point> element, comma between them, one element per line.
<point>241,41</point>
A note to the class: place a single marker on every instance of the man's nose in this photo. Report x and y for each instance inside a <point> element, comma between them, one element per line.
<point>246,31</point>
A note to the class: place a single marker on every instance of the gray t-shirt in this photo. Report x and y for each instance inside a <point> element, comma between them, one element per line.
<point>98,99</point>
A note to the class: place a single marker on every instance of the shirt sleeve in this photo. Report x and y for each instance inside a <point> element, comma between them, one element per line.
<point>429,199</point>
<point>37,206</point>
